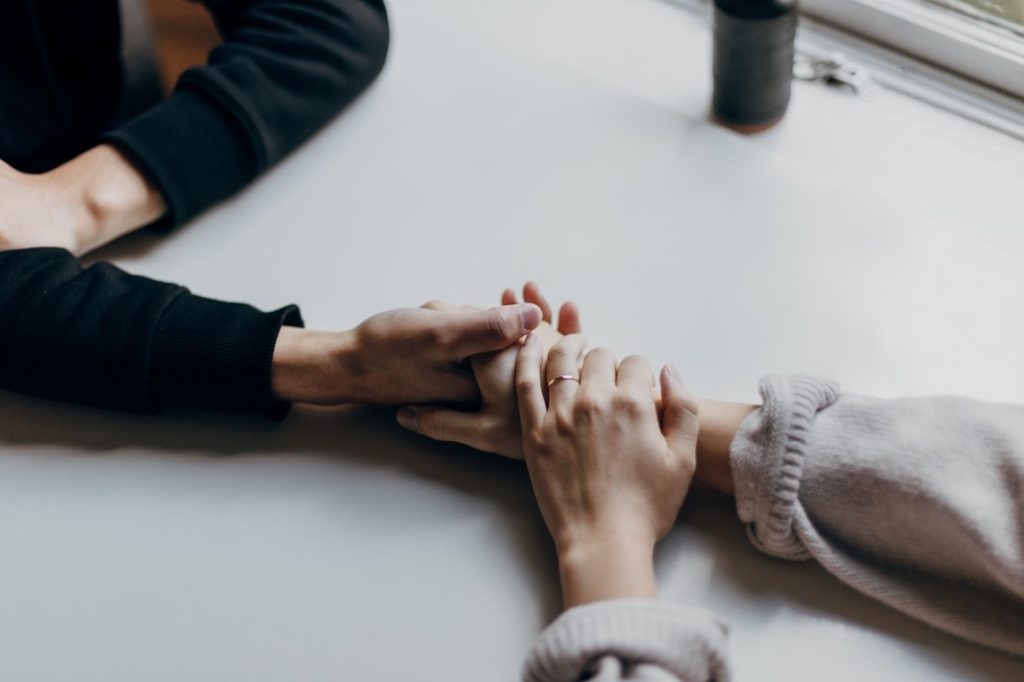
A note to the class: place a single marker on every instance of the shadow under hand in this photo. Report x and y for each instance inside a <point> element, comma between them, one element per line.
<point>368,438</point>
<point>132,246</point>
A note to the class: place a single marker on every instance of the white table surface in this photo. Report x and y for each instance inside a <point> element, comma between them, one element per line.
<point>874,240</point>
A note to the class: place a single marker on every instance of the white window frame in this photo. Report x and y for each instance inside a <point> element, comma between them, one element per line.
<point>964,44</point>
<point>975,70</point>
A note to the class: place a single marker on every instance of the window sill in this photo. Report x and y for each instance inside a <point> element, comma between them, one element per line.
<point>978,50</point>
<point>990,101</point>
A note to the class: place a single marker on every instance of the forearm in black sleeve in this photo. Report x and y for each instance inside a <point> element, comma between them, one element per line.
<point>285,68</point>
<point>102,337</point>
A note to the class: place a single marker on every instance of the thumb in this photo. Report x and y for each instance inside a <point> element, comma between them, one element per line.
<point>680,423</point>
<point>441,423</point>
<point>493,329</point>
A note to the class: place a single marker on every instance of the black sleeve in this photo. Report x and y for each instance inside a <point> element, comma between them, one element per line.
<point>102,337</point>
<point>285,68</point>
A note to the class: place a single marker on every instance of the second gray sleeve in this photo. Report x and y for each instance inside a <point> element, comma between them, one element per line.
<point>917,502</point>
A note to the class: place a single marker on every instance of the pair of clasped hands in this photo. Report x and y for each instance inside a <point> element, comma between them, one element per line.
<point>610,455</point>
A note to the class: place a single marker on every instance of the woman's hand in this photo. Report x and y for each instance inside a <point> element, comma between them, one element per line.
<point>608,475</point>
<point>495,426</point>
<point>568,313</point>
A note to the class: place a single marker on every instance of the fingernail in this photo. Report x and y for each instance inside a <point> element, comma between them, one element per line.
<point>408,418</point>
<point>530,315</point>
<point>674,373</point>
<point>531,340</point>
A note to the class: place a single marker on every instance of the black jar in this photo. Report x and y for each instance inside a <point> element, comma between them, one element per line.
<point>752,61</point>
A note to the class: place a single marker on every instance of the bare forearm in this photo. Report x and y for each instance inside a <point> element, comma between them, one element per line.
<point>719,422</point>
<point>92,199</point>
<point>111,196</point>
<point>606,569</point>
<point>309,366</point>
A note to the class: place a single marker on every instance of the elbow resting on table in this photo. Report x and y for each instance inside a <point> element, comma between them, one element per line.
<point>365,29</point>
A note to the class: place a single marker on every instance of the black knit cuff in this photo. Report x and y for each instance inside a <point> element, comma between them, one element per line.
<point>191,150</point>
<point>217,356</point>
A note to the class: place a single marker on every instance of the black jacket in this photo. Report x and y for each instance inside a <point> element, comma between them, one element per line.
<point>101,336</point>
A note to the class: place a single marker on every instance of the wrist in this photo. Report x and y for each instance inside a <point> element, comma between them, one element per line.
<point>719,422</point>
<point>606,567</point>
<point>312,367</point>
<point>70,219</point>
<point>105,196</point>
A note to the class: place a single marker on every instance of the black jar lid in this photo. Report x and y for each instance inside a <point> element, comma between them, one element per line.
<point>756,9</point>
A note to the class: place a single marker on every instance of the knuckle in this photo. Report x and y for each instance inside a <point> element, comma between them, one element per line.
<point>561,352</point>
<point>687,465</point>
<point>628,404</point>
<point>437,425</point>
<point>565,423</point>
<point>687,404</point>
<point>433,304</point>
<point>438,335</point>
<point>588,405</point>
<point>534,441</point>
<point>525,384</point>
<point>576,341</point>
<point>498,325</point>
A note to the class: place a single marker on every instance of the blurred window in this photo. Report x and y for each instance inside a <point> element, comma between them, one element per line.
<point>980,39</point>
<point>1007,13</point>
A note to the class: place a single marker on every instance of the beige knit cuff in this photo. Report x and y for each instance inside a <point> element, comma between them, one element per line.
<point>688,643</point>
<point>767,458</point>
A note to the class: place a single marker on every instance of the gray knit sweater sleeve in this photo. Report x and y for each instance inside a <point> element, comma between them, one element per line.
<point>917,502</point>
<point>640,640</point>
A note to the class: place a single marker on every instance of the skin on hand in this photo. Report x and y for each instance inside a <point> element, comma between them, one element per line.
<point>93,199</point>
<point>494,427</point>
<point>609,472</point>
<point>719,422</point>
<point>410,355</point>
<point>568,313</point>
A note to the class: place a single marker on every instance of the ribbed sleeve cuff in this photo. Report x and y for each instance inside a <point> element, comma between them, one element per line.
<point>192,151</point>
<point>689,643</point>
<point>767,458</point>
<point>213,355</point>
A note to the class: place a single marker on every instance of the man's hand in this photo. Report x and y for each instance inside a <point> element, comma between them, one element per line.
<point>79,206</point>
<point>411,355</point>
<point>568,313</point>
<point>495,426</point>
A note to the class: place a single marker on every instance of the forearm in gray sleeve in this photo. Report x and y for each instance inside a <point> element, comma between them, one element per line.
<point>917,502</point>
